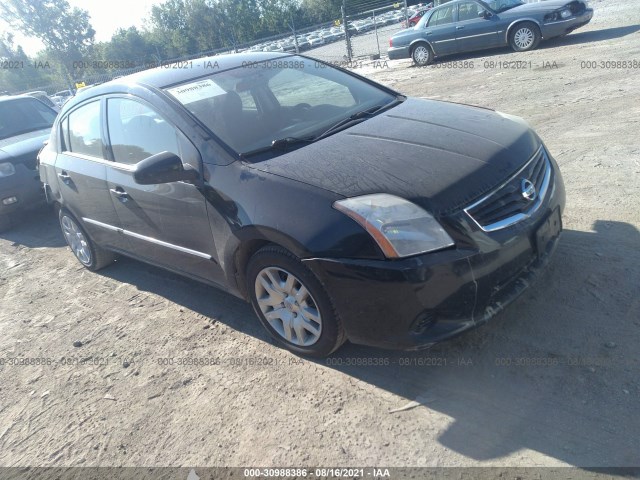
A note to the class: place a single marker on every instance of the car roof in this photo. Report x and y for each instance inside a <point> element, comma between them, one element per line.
<point>164,76</point>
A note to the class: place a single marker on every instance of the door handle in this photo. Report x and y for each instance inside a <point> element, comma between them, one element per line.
<point>459,27</point>
<point>64,177</point>
<point>120,193</point>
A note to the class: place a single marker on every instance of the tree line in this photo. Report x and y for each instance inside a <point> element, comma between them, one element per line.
<point>174,29</point>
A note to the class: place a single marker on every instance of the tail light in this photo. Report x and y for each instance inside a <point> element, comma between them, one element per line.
<point>391,42</point>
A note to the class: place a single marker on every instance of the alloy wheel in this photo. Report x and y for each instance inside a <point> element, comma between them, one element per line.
<point>76,240</point>
<point>288,306</point>
<point>524,38</point>
<point>421,55</point>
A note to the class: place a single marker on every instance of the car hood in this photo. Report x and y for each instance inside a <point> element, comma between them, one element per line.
<point>439,155</point>
<point>23,148</point>
<point>546,6</point>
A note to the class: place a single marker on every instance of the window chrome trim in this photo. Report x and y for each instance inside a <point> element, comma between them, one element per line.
<point>542,193</point>
<point>147,239</point>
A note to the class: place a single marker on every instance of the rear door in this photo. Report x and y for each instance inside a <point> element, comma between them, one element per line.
<point>475,32</point>
<point>81,175</point>
<point>440,30</point>
<point>165,223</point>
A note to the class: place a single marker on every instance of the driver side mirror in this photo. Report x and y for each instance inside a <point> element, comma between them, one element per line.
<point>485,14</point>
<point>164,167</point>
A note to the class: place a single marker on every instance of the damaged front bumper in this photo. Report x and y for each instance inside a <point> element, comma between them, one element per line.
<point>418,301</point>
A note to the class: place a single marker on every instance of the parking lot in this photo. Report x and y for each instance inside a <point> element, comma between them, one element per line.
<point>139,367</point>
<point>362,46</point>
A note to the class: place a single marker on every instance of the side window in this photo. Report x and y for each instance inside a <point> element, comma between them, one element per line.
<point>442,16</point>
<point>468,11</point>
<point>64,134</point>
<point>136,131</point>
<point>84,131</point>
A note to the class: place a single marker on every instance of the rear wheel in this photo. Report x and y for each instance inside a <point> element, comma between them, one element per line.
<point>86,251</point>
<point>291,303</point>
<point>422,54</point>
<point>524,36</point>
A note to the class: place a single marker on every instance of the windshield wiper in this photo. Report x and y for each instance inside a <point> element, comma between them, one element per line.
<point>283,143</point>
<point>352,119</point>
<point>358,117</point>
<point>278,144</point>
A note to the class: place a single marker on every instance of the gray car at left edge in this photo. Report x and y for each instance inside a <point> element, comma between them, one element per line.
<point>467,25</point>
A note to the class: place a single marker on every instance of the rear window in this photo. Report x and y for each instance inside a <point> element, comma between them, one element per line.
<point>24,115</point>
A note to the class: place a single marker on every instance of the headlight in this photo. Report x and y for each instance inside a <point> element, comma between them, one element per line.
<point>399,227</point>
<point>7,169</point>
<point>565,13</point>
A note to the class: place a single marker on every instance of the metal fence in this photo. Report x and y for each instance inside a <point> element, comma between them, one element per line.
<point>357,36</point>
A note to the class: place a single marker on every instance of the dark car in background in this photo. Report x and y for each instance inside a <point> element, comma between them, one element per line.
<point>338,207</point>
<point>25,124</point>
<point>44,98</point>
<point>468,25</point>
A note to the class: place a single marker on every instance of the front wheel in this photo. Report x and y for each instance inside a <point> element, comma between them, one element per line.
<point>524,37</point>
<point>422,55</point>
<point>86,251</point>
<point>291,303</point>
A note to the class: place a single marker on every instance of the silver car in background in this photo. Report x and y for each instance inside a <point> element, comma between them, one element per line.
<point>467,25</point>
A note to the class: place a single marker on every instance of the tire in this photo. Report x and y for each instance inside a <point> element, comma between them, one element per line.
<point>524,36</point>
<point>422,54</point>
<point>5,223</point>
<point>291,303</point>
<point>89,254</point>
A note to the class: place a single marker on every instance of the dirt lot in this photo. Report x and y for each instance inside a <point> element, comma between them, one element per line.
<point>553,381</point>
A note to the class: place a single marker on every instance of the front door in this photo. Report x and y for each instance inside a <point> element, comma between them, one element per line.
<point>81,169</point>
<point>476,28</point>
<point>440,30</point>
<point>165,223</point>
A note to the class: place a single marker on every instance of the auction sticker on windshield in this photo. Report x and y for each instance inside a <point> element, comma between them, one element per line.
<point>193,92</point>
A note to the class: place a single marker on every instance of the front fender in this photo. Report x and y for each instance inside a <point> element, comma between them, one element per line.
<point>520,20</point>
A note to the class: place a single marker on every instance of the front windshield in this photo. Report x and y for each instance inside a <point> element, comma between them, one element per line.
<point>502,5</point>
<point>251,106</point>
<point>24,115</point>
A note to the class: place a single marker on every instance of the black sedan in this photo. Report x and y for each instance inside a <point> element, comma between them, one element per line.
<point>339,208</point>
<point>25,123</point>
<point>468,25</point>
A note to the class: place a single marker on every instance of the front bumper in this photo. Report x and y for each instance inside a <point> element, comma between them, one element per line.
<point>25,186</point>
<point>562,27</point>
<point>397,53</point>
<point>416,302</point>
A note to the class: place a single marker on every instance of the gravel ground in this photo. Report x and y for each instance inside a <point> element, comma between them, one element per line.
<point>553,381</point>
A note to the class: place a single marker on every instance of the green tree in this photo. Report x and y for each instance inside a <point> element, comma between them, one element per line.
<point>319,11</point>
<point>170,28</point>
<point>66,32</point>
<point>27,76</point>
